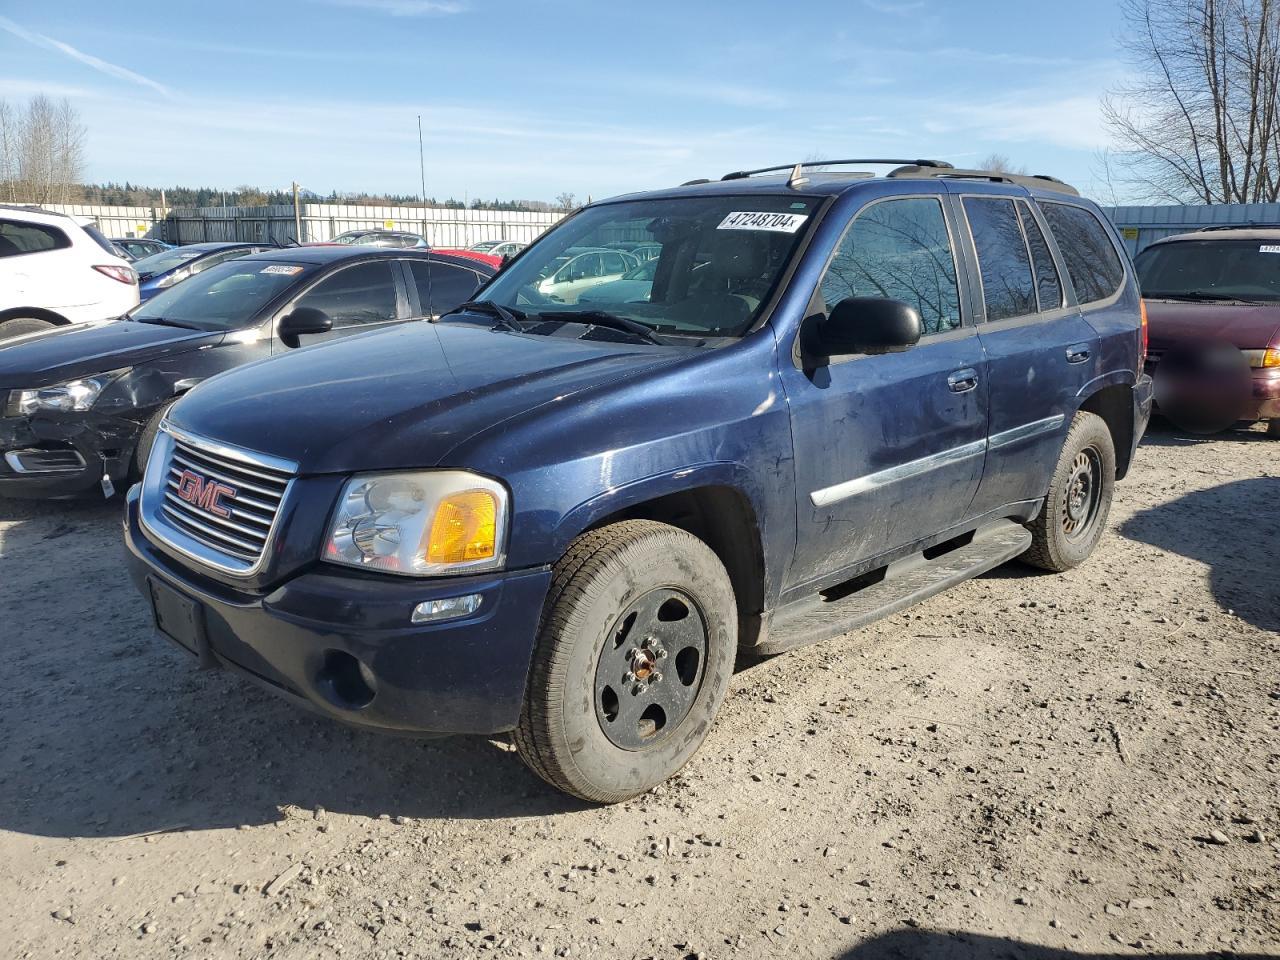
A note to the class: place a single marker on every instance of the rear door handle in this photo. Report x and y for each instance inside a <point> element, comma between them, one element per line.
<point>962,381</point>
<point>1078,353</point>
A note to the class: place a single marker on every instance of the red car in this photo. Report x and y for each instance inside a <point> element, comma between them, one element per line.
<point>1216,294</point>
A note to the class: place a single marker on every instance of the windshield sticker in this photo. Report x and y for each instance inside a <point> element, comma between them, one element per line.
<point>1270,248</point>
<point>772,222</point>
<point>281,269</point>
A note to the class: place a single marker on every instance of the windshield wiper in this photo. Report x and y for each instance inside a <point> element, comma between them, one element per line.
<point>600,318</point>
<point>1203,296</point>
<point>510,316</point>
<point>166,322</point>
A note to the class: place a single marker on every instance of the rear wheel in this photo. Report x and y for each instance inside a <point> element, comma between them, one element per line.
<point>1074,514</point>
<point>18,326</point>
<point>1273,429</point>
<point>634,656</point>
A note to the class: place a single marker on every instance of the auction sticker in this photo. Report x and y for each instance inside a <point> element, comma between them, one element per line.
<point>281,269</point>
<point>1270,248</point>
<point>772,222</point>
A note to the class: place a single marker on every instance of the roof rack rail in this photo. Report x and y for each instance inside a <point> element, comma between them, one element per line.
<point>743,174</point>
<point>1040,180</point>
<point>1247,225</point>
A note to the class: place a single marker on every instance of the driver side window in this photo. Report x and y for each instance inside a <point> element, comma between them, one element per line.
<point>900,250</point>
<point>365,293</point>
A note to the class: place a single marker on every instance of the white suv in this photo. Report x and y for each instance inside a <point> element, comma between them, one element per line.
<point>57,269</point>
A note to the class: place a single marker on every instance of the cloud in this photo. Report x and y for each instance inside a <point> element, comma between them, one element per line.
<point>406,8</point>
<point>102,66</point>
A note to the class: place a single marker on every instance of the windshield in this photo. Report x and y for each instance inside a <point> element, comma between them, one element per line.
<point>1211,269</point>
<point>165,261</point>
<point>715,263</point>
<point>224,297</point>
<point>345,238</point>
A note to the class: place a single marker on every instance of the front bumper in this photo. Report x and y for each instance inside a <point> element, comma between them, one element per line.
<point>105,446</point>
<point>341,643</point>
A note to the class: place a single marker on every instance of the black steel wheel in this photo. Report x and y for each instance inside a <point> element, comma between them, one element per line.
<point>1074,513</point>
<point>650,669</point>
<point>636,649</point>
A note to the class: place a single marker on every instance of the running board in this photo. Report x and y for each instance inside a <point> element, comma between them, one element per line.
<point>905,583</point>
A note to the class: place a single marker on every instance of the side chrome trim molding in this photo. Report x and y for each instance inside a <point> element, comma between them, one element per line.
<point>1026,431</point>
<point>874,481</point>
<point>905,471</point>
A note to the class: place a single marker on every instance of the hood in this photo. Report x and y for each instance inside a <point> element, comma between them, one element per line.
<point>64,353</point>
<point>1244,325</point>
<point>399,398</point>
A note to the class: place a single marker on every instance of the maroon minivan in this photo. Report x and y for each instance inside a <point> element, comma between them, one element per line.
<point>1210,291</point>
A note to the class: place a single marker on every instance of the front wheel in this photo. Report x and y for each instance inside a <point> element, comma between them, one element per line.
<point>634,656</point>
<point>1273,429</point>
<point>20,326</point>
<point>1074,513</point>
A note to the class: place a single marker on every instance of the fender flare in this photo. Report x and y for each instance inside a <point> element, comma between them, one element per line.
<point>589,512</point>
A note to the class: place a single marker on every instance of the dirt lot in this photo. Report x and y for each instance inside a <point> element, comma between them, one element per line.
<point>1028,766</point>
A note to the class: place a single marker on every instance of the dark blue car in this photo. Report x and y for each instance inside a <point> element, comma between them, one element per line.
<point>162,270</point>
<point>843,394</point>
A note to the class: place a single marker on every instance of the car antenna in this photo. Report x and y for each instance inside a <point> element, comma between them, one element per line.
<point>422,173</point>
<point>797,178</point>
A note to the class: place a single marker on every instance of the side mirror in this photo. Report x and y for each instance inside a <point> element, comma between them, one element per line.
<point>869,325</point>
<point>302,321</point>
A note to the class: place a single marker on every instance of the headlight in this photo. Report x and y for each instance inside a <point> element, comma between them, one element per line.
<point>74,396</point>
<point>420,524</point>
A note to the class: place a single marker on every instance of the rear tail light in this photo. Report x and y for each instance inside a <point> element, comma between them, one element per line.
<point>1145,338</point>
<point>1271,358</point>
<point>123,274</point>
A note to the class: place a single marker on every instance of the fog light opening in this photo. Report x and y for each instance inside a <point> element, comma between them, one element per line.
<point>449,608</point>
<point>345,681</point>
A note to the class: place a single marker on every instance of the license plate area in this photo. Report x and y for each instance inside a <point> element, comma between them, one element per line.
<point>178,617</point>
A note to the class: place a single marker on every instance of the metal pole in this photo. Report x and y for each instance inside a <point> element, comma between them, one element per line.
<point>297,215</point>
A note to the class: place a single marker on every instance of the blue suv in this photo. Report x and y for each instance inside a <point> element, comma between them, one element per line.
<point>839,394</point>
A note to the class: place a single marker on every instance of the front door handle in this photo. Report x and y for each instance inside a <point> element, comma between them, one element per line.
<point>962,381</point>
<point>1078,353</point>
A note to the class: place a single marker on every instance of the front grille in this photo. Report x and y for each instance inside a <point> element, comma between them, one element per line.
<point>251,510</point>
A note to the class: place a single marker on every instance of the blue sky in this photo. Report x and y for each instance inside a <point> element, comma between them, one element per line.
<point>528,98</point>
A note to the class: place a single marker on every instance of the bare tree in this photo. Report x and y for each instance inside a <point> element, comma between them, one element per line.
<point>567,202</point>
<point>1201,118</point>
<point>41,151</point>
<point>1000,163</point>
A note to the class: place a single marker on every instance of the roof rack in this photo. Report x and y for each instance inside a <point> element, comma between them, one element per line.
<point>1248,225</point>
<point>1040,180</point>
<point>795,167</point>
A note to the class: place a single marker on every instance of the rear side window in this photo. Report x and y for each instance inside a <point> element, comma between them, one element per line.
<point>99,239</point>
<point>1087,250</point>
<point>19,238</point>
<point>899,249</point>
<point>1048,284</point>
<point>1008,284</point>
<point>365,293</point>
<point>442,286</point>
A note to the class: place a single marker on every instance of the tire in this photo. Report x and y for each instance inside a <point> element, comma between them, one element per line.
<point>1074,514</point>
<point>18,326</point>
<point>1273,429</point>
<point>142,451</point>
<point>623,598</point>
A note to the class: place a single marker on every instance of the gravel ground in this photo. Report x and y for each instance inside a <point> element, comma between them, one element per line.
<point>1028,766</point>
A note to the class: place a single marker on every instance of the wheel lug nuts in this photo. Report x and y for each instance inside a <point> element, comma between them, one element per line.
<point>637,689</point>
<point>657,676</point>
<point>629,678</point>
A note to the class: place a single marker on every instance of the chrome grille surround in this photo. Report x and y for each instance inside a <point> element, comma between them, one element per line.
<point>237,543</point>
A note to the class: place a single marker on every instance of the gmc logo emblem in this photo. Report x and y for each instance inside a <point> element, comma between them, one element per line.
<point>205,494</point>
